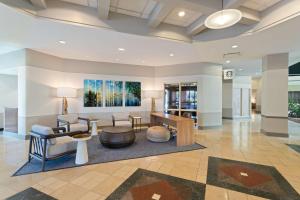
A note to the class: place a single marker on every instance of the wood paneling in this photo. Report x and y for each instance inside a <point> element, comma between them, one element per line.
<point>185,133</point>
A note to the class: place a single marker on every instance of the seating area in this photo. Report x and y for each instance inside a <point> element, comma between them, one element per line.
<point>72,133</point>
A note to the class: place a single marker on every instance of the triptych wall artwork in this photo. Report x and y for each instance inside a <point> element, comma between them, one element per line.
<point>110,93</point>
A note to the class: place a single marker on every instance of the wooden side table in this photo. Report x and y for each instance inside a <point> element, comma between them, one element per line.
<point>137,123</point>
<point>82,156</point>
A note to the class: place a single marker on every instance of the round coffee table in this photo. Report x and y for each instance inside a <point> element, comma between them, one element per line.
<point>82,156</point>
<point>117,137</point>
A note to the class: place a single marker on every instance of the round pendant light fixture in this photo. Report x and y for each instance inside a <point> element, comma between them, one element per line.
<point>223,18</point>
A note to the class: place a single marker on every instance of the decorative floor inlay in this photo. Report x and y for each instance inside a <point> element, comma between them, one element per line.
<point>144,184</point>
<point>31,194</point>
<point>295,147</point>
<point>260,180</point>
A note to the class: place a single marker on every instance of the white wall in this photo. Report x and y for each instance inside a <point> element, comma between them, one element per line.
<point>236,97</point>
<point>41,102</point>
<point>42,74</point>
<point>9,94</point>
<point>44,83</point>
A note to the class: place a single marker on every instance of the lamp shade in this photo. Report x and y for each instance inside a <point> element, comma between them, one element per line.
<point>66,92</point>
<point>156,94</point>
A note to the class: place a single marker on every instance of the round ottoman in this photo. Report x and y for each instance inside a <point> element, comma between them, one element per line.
<point>158,134</point>
<point>117,137</point>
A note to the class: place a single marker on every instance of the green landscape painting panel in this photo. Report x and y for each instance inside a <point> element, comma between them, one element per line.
<point>133,94</point>
<point>93,93</point>
<point>113,93</point>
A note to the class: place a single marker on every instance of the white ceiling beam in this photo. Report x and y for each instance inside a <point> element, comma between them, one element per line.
<point>204,6</point>
<point>103,8</point>
<point>160,12</point>
<point>232,4</point>
<point>39,3</point>
<point>197,26</point>
<point>249,16</point>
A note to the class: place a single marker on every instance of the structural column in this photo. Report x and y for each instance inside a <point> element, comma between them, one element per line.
<point>274,102</point>
<point>22,102</point>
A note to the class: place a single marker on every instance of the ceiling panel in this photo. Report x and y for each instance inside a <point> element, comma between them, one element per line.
<point>149,8</point>
<point>260,5</point>
<point>137,8</point>
<point>190,17</point>
<point>132,5</point>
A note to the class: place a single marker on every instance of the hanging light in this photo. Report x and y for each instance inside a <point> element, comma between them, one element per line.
<point>223,18</point>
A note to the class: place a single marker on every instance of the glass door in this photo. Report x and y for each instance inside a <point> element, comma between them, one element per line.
<point>171,99</point>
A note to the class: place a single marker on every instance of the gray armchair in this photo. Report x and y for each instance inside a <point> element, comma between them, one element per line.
<point>121,119</point>
<point>48,144</point>
<point>72,123</point>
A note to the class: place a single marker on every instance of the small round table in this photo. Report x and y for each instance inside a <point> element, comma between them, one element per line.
<point>137,122</point>
<point>94,126</point>
<point>117,137</point>
<point>82,156</point>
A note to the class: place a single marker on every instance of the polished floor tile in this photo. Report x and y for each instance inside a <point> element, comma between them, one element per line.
<point>144,184</point>
<point>30,194</point>
<point>260,180</point>
<point>239,140</point>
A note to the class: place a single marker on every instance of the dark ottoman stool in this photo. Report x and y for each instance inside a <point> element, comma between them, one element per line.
<point>117,137</point>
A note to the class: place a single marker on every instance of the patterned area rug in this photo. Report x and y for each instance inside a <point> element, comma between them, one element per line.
<point>144,184</point>
<point>100,154</point>
<point>260,180</point>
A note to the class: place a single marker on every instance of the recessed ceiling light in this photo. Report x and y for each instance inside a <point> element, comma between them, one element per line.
<point>235,46</point>
<point>241,69</point>
<point>121,49</point>
<point>181,14</point>
<point>117,59</point>
<point>143,61</point>
<point>62,42</point>
<point>171,54</point>
<point>228,61</point>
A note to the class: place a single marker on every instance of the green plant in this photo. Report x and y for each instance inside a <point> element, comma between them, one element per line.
<point>294,109</point>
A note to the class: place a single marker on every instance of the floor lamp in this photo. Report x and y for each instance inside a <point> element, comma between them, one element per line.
<point>153,94</point>
<point>64,93</point>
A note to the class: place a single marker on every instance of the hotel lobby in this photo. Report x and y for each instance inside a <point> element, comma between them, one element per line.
<point>150,99</point>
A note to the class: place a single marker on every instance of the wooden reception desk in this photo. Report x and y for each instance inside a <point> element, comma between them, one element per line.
<point>184,126</point>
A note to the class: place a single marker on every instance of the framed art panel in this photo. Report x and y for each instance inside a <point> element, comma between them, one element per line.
<point>113,93</point>
<point>93,93</point>
<point>133,94</point>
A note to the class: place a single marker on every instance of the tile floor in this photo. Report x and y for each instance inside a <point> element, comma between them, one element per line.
<point>236,140</point>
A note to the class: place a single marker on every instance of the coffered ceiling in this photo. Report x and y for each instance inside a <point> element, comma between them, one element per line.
<point>91,37</point>
<point>156,13</point>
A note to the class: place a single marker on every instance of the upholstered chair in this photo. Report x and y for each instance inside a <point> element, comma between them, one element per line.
<point>121,119</point>
<point>72,122</point>
<point>48,143</point>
